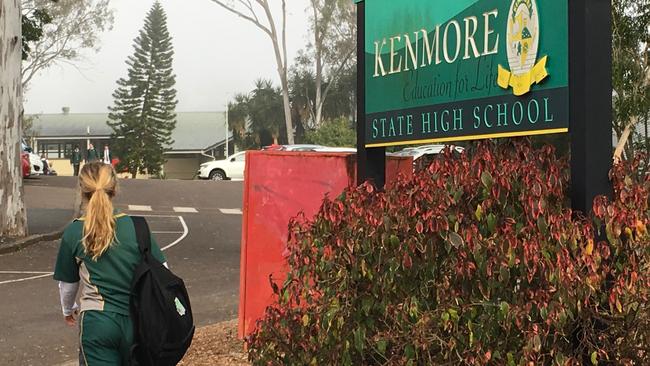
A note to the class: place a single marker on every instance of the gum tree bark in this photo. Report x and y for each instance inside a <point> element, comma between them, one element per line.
<point>13,220</point>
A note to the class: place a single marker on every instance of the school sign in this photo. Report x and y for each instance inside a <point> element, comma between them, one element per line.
<point>440,71</point>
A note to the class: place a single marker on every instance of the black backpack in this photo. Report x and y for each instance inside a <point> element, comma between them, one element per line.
<point>160,309</point>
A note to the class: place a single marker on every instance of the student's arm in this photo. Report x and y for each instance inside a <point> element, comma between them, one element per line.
<point>66,271</point>
<point>68,295</point>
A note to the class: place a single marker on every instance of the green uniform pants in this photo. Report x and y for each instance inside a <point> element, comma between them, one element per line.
<point>105,338</point>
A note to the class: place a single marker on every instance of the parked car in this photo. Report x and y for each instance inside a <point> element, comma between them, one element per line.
<point>423,155</point>
<point>35,163</point>
<point>230,168</point>
<point>297,147</point>
<point>26,166</point>
<point>336,149</point>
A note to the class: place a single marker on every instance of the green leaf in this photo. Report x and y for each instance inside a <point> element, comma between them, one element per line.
<point>542,226</point>
<point>359,338</point>
<point>458,195</point>
<point>492,223</point>
<point>445,317</point>
<point>409,352</point>
<point>486,179</point>
<point>504,275</point>
<point>394,240</point>
<point>594,358</point>
<point>537,343</point>
<point>505,308</point>
<point>479,212</point>
<point>511,359</point>
<point>456,240</point>
<point>381,346</point>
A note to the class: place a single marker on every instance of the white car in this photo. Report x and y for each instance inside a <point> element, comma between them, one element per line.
<point>35,163</point>
<point>230,168</point>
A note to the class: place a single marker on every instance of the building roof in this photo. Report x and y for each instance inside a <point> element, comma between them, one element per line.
<point>195,131</point>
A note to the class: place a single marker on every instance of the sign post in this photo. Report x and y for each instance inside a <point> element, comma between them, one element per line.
<point>591,101</point>
<point>444,71</point>
<point>371,162</point>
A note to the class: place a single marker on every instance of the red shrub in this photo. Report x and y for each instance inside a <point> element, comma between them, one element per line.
<point>476,260</point>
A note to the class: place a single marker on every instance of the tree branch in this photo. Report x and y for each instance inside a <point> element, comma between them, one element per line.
<point>253,19</point>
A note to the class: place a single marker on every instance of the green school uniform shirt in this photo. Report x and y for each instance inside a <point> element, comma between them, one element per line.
<point>75,158</point>
<point>92,155</point>
<point>106,282</point>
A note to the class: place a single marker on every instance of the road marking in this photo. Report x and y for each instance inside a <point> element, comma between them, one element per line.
<point>139,208</point>
<point>23,272</point>
<point>185,210</point>
<point>231,211</point>
<point>38,275</point>
<point>185,232</point>
<point>43,275</point>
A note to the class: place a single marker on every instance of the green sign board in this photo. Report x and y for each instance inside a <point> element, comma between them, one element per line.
<point>441,70</point>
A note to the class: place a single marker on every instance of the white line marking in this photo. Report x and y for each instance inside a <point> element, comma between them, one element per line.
<point>139,208</point>
<point>156,215</point>
<point>185,209</point>
<point>167,232</point>
<point>231,211</point>
<point>186,231</point>
<point>38,275</point>
<point>28,278</point>
<point>22,272</point>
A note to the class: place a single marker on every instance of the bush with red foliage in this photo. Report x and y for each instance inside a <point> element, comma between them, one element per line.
<point>476,260</point>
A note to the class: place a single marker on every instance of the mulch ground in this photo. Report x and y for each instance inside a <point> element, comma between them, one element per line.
<point>216,345</point>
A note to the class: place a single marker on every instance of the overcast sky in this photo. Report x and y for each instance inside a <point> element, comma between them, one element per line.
<point>217,56</point>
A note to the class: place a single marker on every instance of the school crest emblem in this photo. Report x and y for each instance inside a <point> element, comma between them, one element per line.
<point>522,44</point>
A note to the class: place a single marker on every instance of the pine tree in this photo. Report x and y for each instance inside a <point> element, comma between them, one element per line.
<point>143,116</point>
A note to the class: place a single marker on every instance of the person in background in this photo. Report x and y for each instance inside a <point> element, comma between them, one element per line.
<point>92,154</point>
<point>46,164</point>
<point>75,160</point>
<point>97,257</point>
<point>107,157</point>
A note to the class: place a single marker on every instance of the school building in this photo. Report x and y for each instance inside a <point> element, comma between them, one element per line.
<point>198,137</point>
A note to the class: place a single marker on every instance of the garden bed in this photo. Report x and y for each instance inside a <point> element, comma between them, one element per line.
<point>216,344</point>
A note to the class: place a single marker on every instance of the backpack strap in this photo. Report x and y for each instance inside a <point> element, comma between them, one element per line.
<point>142,234</point>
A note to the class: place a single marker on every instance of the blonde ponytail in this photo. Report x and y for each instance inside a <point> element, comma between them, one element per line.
<point>98,186</point>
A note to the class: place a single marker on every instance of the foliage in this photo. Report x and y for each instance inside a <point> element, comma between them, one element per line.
<point>257,118</point>
<point>32,27</point>
<point>329,56</point>
<point>59,31</point>
<point>478,260</point>
<point>338,132</point>
<point>340,101</point>
<point>630,63</point>
<point>143,116</point>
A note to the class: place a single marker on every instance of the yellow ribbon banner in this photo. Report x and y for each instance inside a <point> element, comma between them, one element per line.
<point>521,83</point>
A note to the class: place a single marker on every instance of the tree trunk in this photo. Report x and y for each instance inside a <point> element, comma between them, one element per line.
<point>13,219</point>
<point>318,48</point>
<point>623,139</point>
<point>287,109</point>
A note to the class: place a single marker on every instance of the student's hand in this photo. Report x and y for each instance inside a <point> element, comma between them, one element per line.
<point>71,320</point>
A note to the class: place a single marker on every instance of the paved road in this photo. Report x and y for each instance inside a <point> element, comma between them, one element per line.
<point>50,203</point>
<point>201,222</point>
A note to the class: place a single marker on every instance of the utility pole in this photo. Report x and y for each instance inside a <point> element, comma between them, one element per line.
<point>227,132</point>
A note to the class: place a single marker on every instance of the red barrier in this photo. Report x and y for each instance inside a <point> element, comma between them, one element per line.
<point>279,185</point>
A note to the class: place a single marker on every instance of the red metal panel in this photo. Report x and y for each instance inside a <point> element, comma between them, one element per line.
<point>279,185</point>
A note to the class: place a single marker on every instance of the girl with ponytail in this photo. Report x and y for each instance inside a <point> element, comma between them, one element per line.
<point>95,263</point>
